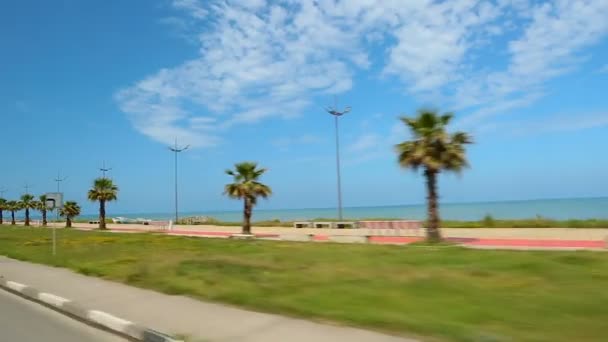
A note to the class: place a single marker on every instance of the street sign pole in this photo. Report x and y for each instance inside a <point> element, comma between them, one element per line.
<point>55,234</point>
<point>57,206</point>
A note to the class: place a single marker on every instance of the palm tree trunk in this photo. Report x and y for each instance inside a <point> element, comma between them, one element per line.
<point>12,217</point>
<point>102,214</point>
<point>44,222</point>
<point>247,216</point>
<point>432,233</point>
<point>27,216</point>
<point>68,222</point>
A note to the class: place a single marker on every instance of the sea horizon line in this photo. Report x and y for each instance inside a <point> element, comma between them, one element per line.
<point>219,211</point>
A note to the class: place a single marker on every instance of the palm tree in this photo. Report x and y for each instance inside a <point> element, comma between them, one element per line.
<point>434,150</point>
<point>247,187</point>
<point>27,202</point>
<point>103,191</point>
<point>3,207</point>
<point>13,206</point>
<point>42,208</point>
<point>70,210</point>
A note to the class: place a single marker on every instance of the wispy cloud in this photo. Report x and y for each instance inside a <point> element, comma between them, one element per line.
<point>370,146</point>
<point>185,25</point>
<point>260,59</point>
<point>557,123</point>
<point>500,106</point>
<point>549,46</point>
<point>194,8</point>
<point>257,61</point>
<point>604,69</point>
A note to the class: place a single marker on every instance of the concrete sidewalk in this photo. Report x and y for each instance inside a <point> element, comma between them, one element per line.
<point>199,321</point>
<point>590,234</point>
<point>355,236</point>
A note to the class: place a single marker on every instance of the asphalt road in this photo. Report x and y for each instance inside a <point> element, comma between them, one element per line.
<point>25,321</point>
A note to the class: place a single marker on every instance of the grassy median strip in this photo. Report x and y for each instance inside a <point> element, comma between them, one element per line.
<point>451,293</point>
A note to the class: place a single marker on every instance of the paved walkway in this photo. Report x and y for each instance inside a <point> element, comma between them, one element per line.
<point>499,238</point>
<point>482,233</point>
<point>199,320</point>
<point>487,238</point>
<point>477,242</point>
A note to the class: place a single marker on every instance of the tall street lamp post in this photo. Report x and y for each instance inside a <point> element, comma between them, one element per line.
<point>336,114</point>
<point>175,149</point>
<point>103,170</point>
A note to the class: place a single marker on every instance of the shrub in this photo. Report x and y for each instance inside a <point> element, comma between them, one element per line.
<point>488,221</point>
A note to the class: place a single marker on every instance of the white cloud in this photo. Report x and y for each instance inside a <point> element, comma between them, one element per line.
<point>202,123</point>
<point>251,4</point>
<point>194,8</point>
<point>256,61</point>
<point>191,15</point>
<point>551,45</point>
<point>500,106</point>
<point>433,42</point>
<point>259,59</point>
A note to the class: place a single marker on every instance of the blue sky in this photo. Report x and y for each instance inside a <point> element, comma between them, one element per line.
<point>84,82</point>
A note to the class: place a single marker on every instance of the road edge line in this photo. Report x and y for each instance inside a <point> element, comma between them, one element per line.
<point>96,318</point>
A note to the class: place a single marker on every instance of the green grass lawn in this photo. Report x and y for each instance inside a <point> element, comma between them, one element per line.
<point>441,293</point>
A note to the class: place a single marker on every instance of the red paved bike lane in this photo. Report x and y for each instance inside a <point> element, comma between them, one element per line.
<point>481,242</point>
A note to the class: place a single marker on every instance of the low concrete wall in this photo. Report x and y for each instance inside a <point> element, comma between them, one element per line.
<point>296,237</point>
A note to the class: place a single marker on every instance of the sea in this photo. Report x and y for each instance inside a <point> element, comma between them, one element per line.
<point>559,209</point>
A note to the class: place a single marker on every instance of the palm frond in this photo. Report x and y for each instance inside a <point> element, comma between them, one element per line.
<point>103,190</point>
<point>461,138</point>
<point>70,209</point>
<point>432,147</point>
<point>246,182</point>
<point>446,118</point>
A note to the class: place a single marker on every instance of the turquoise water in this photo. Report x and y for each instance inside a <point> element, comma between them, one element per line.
<point>578,208</point>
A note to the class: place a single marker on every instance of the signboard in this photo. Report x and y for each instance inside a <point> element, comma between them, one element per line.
<point>54,200</point>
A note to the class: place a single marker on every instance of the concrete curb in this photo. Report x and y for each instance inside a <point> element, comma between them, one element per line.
<point>242,236</point>
<point>95,318</point>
